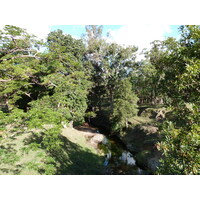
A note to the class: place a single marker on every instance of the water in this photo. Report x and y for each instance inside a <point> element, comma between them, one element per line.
<point>118,160</point>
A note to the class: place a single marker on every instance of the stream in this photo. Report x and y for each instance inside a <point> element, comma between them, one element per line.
<point>118,160</point>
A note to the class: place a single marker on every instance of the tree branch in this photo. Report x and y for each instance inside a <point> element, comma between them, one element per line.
<point>21,56</point>
<point>13,50</point>
<point>1,80</point>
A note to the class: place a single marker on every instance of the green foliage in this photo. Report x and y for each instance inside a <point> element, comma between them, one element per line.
<point>145,83</point>
<point>178,63</point>
<point>51,140</point>
<point>60,43</point>
<point>125,105</point>
<point>112,63</point>
<point>180,149</point>
<point>7,156</point>
<point>71,80</point>
<point>51,87</point>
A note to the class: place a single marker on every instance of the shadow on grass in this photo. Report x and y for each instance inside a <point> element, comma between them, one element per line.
<point>9,157</point>
<point>74,160</point>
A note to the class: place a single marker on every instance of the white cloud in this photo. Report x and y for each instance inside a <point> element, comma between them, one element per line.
<point>139,35</point>
<point>39,30</point>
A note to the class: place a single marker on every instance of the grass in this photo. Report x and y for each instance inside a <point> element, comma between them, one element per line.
<point>77,137</point>
<point>76,157</point>
<point>140,120</point>
<point>13,151</point>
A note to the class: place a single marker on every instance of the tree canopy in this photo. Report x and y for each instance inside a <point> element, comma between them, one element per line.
<point>65,80</point>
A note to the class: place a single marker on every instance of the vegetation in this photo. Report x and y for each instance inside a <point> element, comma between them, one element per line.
<point>45,85</point>
<point>178,63</point>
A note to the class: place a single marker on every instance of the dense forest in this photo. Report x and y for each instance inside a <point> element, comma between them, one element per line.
<point>151,105</point>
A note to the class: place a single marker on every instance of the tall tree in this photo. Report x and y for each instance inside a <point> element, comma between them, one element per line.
<point>124,105</point>
<point>180,68</point>
<point>19,58</point>
<point>112,63</point>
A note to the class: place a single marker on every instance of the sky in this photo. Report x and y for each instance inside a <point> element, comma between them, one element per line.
<point>138,35</point>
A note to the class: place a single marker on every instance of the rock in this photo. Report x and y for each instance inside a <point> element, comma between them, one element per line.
<point>124,156</point>
<point>127,158</point>
<point>105,141</point>
<point>64,124</point>
<point>88,134</point>
<point>153,163</point>
<point>149,129</point>
<point>67,125</point>
<point>94,144</point>
<point>160,115</point>
<point>97,138</point>
<point>148,160</point>
<point>130,160</point>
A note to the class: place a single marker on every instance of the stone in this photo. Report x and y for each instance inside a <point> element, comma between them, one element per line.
<point>127,158</point>
<point>130,159</point>
<point>105,141</point>
<point>97,138</point>
<point>124,156</point>
<point>88,134</point>
<point>149,129</point>
<point>94,144</point>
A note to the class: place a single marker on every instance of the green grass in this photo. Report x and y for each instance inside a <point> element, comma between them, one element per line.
<point>140,120</point>
<point>76,156</point>
<point>13,151</point>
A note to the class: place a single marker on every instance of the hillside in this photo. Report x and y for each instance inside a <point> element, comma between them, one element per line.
<point>77,156</point>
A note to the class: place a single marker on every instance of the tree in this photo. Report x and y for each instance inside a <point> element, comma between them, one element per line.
<point>112,64</point>
<point>54,81</point>
<point>124,106</point>
<point>144,79</point>
<point>179,65</point>
<point>66,77</point>
<point>95,51</point>
<point>18,64</point>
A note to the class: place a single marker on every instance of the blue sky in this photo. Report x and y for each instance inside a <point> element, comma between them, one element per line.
<point>138,35</point>
<point>175,31</point>
<point>78,30</point>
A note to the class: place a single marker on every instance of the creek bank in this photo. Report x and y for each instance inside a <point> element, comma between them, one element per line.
<point>117,159</point>
<point>141,141</point>
<point>141,137</point>
<point>92,135</point>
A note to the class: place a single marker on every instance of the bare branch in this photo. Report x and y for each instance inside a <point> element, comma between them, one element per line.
<point>28,94</point>
<point>53,84</point>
